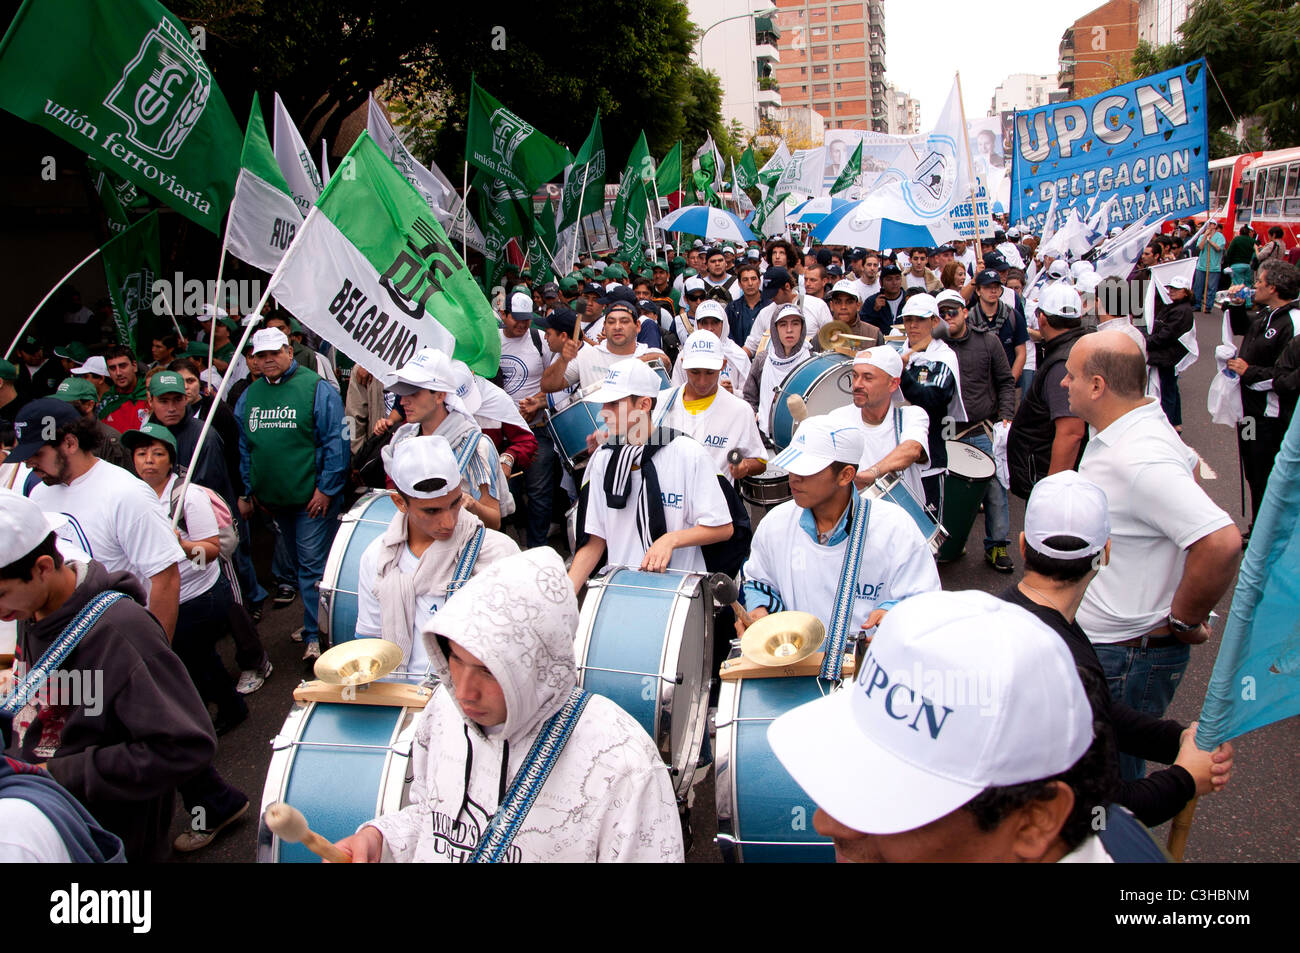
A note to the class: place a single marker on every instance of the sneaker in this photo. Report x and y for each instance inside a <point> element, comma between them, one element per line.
<point>311,651</point>
<point>997,558</point>
<point>296,634</point>
<point>284,595</point>
<point>251,679</point>
<point>198,839</point>
<point>255,611</point>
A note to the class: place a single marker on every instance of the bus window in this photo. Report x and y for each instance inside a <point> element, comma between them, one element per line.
<point>1272,199</point>
<point>1216,183</point>
<point>1245,199</point>
<point>1292,193</point>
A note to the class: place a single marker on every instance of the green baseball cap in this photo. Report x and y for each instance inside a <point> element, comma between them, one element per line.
<point>8,372</point>
<point>147,432</point>
<point>73,351</point>
<point>196,349</point>
<point>166,382</point>
<point>615,271</point>
<point>589,272</point>
<point>75,388</point>
<point>569,285</point>
<point>231,324</point>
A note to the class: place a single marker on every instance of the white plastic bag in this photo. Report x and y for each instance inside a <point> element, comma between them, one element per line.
<point>1000,432</point>
<point>1224,399</point>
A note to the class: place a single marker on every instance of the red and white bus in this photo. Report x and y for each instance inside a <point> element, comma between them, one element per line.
<point>1230,193</point>
<point>1276,200</point>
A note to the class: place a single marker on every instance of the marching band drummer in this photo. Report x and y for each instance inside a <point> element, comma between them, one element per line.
<point>805,547</point>
<point>773,364</point>
<point>894,435</point>
<point>652,498</point>
<point>426,385</point>
<point>716,418</point>
<point>511,762</point>
<point>711,316</point>
<point>587,366</point>
<point>431,547</point>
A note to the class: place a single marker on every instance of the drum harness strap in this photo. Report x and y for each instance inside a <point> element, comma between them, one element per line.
<point>59,650</point>
<point>468,557</point>
<point>842,612</point>
<point>529,779</point>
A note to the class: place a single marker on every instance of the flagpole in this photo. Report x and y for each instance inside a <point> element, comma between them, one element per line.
<point>31,317</point>
<point>970,165</point>
<point>216,294</point>
<point>464,203</point>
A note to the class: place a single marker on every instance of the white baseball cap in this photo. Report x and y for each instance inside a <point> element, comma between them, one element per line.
<point>466,392</point>
<point>959,692</point>
<point>269,339</point>
<point>521,305</point>
<point>429,369</point>
<point>422,467</point>
<point>1060,300</point>
<point>845,287</point>
<point>920,306</point>
<point>626,378</point>
<point>1088,282</point>
<point>711,309</point>
<point>1180,282</point>
<point>1080,268</point>
<point>819,442</point>
<point>788,310</point>
<point>23,526</point>
<point>209,310</point>
<point>598,266</point>
<point>882,356</point>
<point>693,283</point>
<point>702,351</point>
<point>94,365</point>
<point>1058,269</point>
<point>949,297</point>
<point>1066,504</point>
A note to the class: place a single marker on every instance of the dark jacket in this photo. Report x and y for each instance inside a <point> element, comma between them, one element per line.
<point>1261,348</point>
<point>930,387</point>
<point>111,449</point>
<point>884,318</point>
<point>43,383</point>
<point>151,731</point>
<point>740,318</point>
<point>988,391</point>
<point>1159,796</point>
<point>227,427</point>
<point>1163,349</point>
<point>1029,444</point>
<point>210,469</point>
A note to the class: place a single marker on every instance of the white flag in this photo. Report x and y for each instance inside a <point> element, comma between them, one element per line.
<point>295,161</point>
<point>1118,256</point>
<point>263,218</point>
<point>324,162</point>
<point>803,173</point>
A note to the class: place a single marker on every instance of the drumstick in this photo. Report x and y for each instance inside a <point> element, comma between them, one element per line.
<point>287,823</point>
<point>725,591</point>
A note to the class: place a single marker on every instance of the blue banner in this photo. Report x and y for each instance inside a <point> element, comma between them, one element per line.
<point>1145,143</point>
<point>1256,678</point>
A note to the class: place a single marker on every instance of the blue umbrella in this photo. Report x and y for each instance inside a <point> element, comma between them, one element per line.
<point>706,222</point>
<point>816,210</point>
<point>846,227</point>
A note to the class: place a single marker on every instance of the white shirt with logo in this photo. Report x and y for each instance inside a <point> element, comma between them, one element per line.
<point>522,364</point>
<point>895,563</point>
<point>590,365</point>
<point>197,577</point>
<point>115,518</point>
<point>688,485</point>
<point>882,439</point>
<point>726,424</point>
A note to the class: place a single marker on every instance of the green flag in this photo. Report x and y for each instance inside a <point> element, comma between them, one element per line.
<point>374,274</point>
<point>542,245</point>
<point>132,262</point>
<point>264,217</point>
<point>747,170</point>
<point>106,187</point>
<point>505,212</point>
<point>586,175</point>
<point>668,179</point>
<point>849,175</point>
<point>124,83</point>
<point>499,142</point>
<point>631,234</point>
<point>635,174</point>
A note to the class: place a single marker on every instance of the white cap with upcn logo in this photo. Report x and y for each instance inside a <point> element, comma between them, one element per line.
<point>958,692</point>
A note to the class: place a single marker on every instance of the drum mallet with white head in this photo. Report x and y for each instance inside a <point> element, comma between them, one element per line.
<point>287,823</point>
<point>798,411</point>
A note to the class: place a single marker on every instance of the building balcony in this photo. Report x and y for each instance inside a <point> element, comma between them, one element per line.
<point>768,97</point>
<point>767,52</point>
<point>877,11</point>
<point>1067,42</point>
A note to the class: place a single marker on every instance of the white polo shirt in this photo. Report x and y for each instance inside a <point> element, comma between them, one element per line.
<point>690,495</point>
<point>590,365</point>
<point>883,438</point>
<point>522,364</point>
<point>727,423</point>
<point>1157,510</point>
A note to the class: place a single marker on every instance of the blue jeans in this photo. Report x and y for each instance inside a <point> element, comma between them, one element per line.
<point>1171,401</point>
<point>1144,679</point>
<point>249,584</point>
<point>538,481</point>
<point>997,512</point>
<point>309,540</point>
<point>284,568</point>
<point>1205,285</point>
<point>1027,378</point>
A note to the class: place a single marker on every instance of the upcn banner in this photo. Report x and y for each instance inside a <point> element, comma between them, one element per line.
<point>1145,143</point>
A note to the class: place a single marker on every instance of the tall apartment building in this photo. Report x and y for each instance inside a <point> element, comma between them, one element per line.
<point>1159,20</point>
<point>1024,91</point>
<point>833,59</point>
<point>1096,50</point>
<point>904,112</point>
<point>741,49</point>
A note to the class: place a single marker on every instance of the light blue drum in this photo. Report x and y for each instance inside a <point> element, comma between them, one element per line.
<point>358,528</point>
<point>645,641</point>
<point>570,429</point>
<point>763,815</point>
<point>824,381</point>
<point>340,765</point>
<point>893,489</point>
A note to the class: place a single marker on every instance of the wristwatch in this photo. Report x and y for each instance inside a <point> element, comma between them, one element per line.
<point>1178,627</point>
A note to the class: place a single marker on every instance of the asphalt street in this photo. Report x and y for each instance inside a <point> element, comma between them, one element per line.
<point>1255,819</point>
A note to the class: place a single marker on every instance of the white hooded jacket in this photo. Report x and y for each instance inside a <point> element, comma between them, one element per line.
<point>608,797</point>
<point>736,370</point>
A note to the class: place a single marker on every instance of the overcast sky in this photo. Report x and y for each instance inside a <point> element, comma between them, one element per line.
<point>926,43</point>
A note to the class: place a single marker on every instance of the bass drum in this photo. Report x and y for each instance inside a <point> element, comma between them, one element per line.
<point>341,765</point>
<point>893,489</point>
<point>763,814</point>
<point>358,528</point>
<point>764,491</point>
<point>969,471</point>
<point>645,641</point>
<point>824,381</point>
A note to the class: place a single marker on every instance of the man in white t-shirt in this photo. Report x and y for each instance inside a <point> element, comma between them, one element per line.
<point>800,548</point>
<point>525,355</point>
<point>407,574</point>
<point>1173,552</point>
<point>894,435</point>
<point>718,419</point>
<point>112,515</point>
<point>866,272</point>
<point>587,367</point>
<point>621,517</point>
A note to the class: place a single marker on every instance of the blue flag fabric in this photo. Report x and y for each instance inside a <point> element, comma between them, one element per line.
<point>1256,678</point>
<point>1146,143</point>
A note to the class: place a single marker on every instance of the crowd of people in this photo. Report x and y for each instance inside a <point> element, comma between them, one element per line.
<point>125,554</point>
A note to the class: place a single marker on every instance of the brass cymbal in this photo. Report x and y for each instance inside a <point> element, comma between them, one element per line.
<point>358,662</point>
<point>834,335</point>
<point>782,638</point>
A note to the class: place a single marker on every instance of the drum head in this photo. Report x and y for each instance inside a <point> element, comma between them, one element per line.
<point>358,528</point>
<point>969,462</point>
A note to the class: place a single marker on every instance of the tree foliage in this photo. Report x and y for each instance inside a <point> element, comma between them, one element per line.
<point>1253,48</point>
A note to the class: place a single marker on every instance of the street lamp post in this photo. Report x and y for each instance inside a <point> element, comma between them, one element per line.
<point>739,16</point>
<point>1072,62</point>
